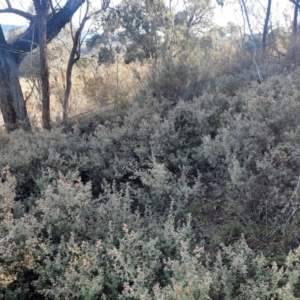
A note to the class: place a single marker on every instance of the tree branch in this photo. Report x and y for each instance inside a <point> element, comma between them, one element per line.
<point>73,58</point>
<point>29,40</point>
<point>31,92</point>
<point>294,2</point>
<point>51,6</point>
<point>8,3</point>
<point>19,12</point>
<point>105,6</point>
<point>3,42</point>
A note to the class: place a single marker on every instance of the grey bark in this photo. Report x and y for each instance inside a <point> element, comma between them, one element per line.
<point>295,32</point>
<point>73,59</point>
<point>265,31</point>
<point>41,8</point>
<point>12,102</point>
<point>75,55</point>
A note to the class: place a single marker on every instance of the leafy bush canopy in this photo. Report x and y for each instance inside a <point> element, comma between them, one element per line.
<point>188,190</point>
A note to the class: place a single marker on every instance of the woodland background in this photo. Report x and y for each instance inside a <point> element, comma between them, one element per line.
<point>175,171</point>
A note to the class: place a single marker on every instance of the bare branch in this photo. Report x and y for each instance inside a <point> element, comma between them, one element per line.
<point>31,92</point>
<point>29,39</point>
<point>296,207</point>
<point>253,41</point>
<point>19,12</point>
<point>92,110</point>
<point>58,4</point>
<point>51,6</point>
<point>73,58</point>
<point>294,2</point>
<point>8,3</point>
<point>104,7</point>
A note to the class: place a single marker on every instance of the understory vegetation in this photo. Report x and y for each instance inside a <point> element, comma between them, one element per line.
<point>194,198</point>
<point>186,186</point>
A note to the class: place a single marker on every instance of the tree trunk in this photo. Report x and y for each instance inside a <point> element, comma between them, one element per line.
<point>12,102</point>
<point>265,32</point>
<point>67,92</point>
<point>295,33</point>
<point>41,9</point>
<point>73,59</point>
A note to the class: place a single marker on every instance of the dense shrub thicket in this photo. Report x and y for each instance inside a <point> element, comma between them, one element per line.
<point>134,204</point>
<point>70,245</point>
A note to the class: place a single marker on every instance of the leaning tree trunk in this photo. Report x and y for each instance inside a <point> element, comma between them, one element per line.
<point>12,102</point>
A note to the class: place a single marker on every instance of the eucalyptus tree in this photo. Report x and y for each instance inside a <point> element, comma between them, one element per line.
<point>145,29</point>
<point>140,26</point>
<point>54,16</point>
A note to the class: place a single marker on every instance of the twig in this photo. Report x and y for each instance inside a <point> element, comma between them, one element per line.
<point>91,110</point>
<point>296,208</point>
<point>253,41</point>
<point>31,92</point>
<point>8,3</point>
<point>19,12</point>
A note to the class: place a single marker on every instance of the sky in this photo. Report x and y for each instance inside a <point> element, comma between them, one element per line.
<point>282,12</point>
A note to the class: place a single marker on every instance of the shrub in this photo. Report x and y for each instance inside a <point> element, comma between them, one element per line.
<point>112,252</point>
<point>257,150</point>
<point>115,207</point>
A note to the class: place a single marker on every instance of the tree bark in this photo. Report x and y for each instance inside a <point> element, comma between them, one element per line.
<point>29,40</point>
<point>295,32</point>
<point>12,102</point>
<point>265,32</point>
<point>73,58</point>
<point>41,9</point>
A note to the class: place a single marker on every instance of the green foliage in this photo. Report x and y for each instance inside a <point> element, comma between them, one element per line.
<point>117,205</point>
<point>113,252</point>
<point>257,149</point>
<point>145,30</point>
